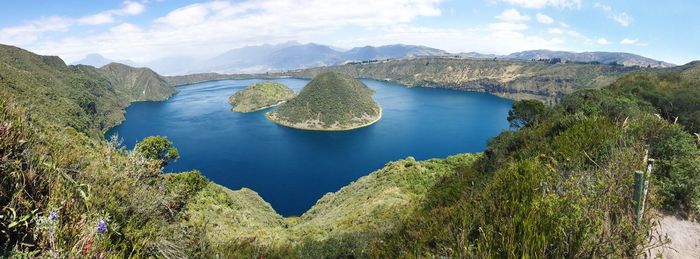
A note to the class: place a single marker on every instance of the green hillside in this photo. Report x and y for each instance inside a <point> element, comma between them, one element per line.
<point>558,187</point>
<point>141,84</point>
<point>259,96</point>
<point>88,99</point>
<point>331,101</point>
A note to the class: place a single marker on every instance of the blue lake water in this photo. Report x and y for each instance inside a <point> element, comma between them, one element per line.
<point>291,168</point>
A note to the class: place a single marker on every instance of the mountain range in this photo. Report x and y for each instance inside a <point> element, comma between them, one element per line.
<point>621,58</point>
<point>293,55</point>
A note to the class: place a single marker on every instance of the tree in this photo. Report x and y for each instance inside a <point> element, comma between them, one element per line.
<point>157,148</point>
<point>525,113</point>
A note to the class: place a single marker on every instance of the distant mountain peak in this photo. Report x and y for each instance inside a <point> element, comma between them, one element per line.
<point>97,60</point>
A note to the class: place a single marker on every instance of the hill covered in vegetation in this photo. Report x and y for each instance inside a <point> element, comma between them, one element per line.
<point>85,98</point>
<point>331,101</point>
<point>259,96</point>
<point>558,186</point>
<point>140,84</point>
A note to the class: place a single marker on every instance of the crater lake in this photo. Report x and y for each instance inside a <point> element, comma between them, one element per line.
<point>290,168</point>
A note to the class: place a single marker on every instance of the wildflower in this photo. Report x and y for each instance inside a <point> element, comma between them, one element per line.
<point>101,226</point>
<point>53,216</point>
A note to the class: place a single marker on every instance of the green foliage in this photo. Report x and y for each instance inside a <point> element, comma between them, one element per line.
<point>525,113</point>
<point>157,148</point>
<point>259,96</point>
<point>674,94</point>
<point>330,101</point>
<point>81,97</point>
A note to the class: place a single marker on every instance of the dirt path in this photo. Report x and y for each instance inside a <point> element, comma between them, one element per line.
<point>685,238</point>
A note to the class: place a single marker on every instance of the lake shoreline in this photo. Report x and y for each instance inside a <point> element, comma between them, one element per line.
<point>267,115</point>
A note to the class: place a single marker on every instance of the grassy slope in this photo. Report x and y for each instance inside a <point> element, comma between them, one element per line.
<point>332,99</point>
<point>82,97</point>
<point>259,96</point>
<point>372,205</point>
<point>140,84</point>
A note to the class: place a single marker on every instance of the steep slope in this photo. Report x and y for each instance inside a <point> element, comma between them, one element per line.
<point>259,96</point>
<point>141,84</point>
<point>331,101</point>
<point>340,223</point>
<point>621,58</point>
<point>82,97</point>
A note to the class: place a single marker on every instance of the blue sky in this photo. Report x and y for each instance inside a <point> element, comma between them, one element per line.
<point>143,30</point>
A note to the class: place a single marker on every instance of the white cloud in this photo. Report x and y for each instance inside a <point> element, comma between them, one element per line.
<point>621,18</point>
<point>544,19</point>
<point>555,31</point>
<point>512,15</point>
<point>627,41</point>
<point>30,32</point>
<point>129,9</point>
<point>539,4</point>
<point>96,19</point>
<point>602,41</point>
<point>495,38</point>
<point>507,26</point>
<point>132,8</point>
<point>210,28</point>
<point>603,7</point>
<point>33,30</point>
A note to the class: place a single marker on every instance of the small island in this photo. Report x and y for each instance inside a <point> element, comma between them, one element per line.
<point>260,96</point>
<point>330,102</point>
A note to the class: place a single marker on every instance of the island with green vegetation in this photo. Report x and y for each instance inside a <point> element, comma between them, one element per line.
<point>260,96</point>
<point>331,101</point>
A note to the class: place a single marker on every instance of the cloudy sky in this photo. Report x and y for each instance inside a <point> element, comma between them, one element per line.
<point>143,30</point>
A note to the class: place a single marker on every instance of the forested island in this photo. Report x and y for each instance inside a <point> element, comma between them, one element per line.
<point>260,96</point>
<point>331,101</point>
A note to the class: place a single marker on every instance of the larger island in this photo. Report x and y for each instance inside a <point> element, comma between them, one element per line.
<point>331,101</point>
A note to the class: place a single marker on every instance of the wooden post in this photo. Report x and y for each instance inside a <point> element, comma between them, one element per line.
<point>647,177</point>
<point>638,196</point>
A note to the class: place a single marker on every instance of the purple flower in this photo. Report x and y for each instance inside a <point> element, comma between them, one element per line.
<point>101,227</point>
<point>53,216</point>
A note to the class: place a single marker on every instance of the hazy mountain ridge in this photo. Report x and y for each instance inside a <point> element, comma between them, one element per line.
<point>273,58</point>
<point>626,59</point>
<point>293,55</point>
<point>97,60</point>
